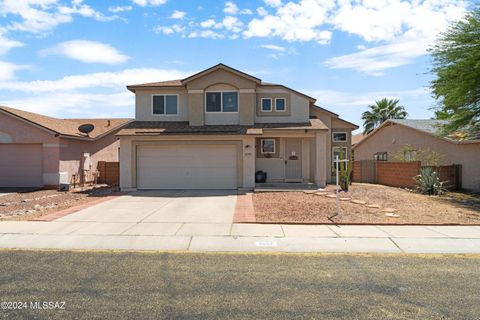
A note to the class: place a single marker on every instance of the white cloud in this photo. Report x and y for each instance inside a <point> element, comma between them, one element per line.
<point>7,70</point>
<point>273,3</point>
<point>206,34</point>
<point>302,21</point>
<point>261,11</point>
<point>154,3</point>
<point>167,30</point>
<point>39,16</point>
<point>7,44</point>
<point>232,24</point>
<point>341,98</point>
<point>273,47</point>
<point>178,14</point>
<point>207,23</point>
<point>117,9</point>
<point>232,8</point>
<point>87,51</point>
<point>77,95</point>
<point>405,28</point>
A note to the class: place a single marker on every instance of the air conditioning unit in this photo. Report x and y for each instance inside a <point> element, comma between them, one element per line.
<point>63,181</point>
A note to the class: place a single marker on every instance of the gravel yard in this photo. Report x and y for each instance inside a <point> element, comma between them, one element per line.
<point>383,205</point>
<point>33,204</point>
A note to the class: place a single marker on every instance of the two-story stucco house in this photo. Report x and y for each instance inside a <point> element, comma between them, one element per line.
<point>216,128</point>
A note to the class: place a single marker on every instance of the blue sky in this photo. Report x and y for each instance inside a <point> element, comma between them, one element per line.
<point>74,58</point>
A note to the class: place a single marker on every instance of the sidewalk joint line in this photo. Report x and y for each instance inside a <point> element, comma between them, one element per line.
<point>396,245</point>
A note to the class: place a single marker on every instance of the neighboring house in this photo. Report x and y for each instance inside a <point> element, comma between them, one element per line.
<point>391,138</point>
<point>216,128</point>
<point>36,150</point>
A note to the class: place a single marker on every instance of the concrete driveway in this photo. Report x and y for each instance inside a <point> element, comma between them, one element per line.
<point>160,213</point>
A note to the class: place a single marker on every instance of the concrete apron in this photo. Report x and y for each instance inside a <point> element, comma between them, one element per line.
<point>225,237</point>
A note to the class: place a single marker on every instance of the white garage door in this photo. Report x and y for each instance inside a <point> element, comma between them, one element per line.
<point>20,165</point>
<point>187,167</point>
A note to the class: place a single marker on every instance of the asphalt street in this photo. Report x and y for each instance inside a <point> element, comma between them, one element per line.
<point>122,285</point>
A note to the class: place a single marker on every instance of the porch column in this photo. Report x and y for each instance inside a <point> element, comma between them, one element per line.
<point>321,150</point>
<point>126,151</point>
<point>248,150</point>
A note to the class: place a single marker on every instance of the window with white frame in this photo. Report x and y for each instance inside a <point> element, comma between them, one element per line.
<point>226,101</point>
<point>266,104</point>
<point>280,104</point>
<point>410,155</point>
<point>268,146</point>
<point>165,104</point>
<point>339,136</point>
<point>381,156</point>
<point>341,152</point>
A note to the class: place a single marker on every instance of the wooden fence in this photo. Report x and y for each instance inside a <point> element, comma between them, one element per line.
<point>109,173</point>
<point>401,174</point>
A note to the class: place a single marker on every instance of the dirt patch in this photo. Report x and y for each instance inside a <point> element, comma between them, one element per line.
<point>33,204</point>
<point>384,205</point>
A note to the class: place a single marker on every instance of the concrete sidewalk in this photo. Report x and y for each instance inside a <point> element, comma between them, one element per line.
<point>238,237</point>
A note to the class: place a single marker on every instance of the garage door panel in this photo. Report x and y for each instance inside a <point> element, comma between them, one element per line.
<point>20,165</point>
<point>187,167</point>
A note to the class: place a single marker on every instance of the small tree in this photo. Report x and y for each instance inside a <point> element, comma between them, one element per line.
<point>426,156</point>
<point>456,56</point>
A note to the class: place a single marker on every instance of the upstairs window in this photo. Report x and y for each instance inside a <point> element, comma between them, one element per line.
<point>165,105</point>
<point>280,104</point>
<point>266,104</point>
<point>221,101</point>
<point>339,137</point>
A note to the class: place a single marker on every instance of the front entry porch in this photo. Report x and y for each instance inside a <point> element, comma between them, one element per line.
<point>289,161</point>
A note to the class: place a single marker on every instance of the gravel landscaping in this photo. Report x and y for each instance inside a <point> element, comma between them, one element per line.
<point>367,204</point>
<point>33,204</point>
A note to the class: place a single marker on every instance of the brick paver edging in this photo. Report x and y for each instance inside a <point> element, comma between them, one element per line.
<point>67,211</point>
<point>244,210</point>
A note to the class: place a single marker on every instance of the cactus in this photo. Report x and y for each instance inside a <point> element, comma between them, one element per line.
<point>428,182</point>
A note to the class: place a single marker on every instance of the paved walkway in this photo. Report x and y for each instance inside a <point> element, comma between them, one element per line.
<point>238,237</point>
<point>202,221</point>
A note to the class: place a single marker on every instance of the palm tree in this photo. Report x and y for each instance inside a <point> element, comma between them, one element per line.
<point>381,111</point>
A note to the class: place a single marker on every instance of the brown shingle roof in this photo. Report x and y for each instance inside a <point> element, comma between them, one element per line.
<point>67,127</point>
<point>183,127</point>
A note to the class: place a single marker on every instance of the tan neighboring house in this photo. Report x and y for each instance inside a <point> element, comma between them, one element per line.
<point>385,142</point>
<point>40,151</point>
<point>217,128</point>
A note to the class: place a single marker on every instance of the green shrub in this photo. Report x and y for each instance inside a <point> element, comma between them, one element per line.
<point>428,182</point>
<point>344,173</point>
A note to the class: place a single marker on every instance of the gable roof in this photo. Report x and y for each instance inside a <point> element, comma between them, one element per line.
<point>183,82</point>
<point>427,126</point>
<point>220,66</point>
<point>334,115</point>
<point>67,127</point>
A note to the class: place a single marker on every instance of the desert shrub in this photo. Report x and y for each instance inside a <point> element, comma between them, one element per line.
<point>428,182</point>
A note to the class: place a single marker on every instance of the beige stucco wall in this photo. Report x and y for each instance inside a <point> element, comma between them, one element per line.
<point>71,153</point>
<point>275,166</point>
<point>221,80</point>
<point>334,125</point>
<point>144,108</point>
<point>13,130</point>
<point>390,139</point>
<point>245,152</point>
<point>297,107</point>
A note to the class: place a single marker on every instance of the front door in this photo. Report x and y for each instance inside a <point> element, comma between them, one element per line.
<point>293,160</point>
